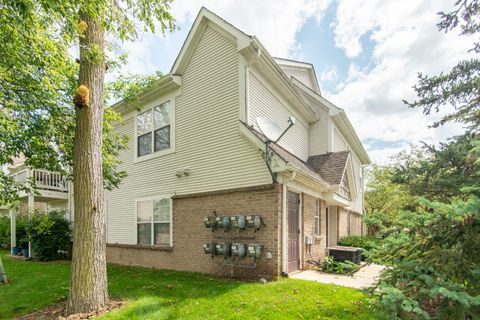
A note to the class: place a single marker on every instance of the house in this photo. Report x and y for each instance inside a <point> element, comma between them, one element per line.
<point>196,156</point>
<point>207,191</point>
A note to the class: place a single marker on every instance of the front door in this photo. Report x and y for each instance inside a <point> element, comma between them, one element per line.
<point>293,231</point>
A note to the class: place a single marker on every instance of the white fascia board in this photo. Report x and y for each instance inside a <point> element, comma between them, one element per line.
<point>334,199</point>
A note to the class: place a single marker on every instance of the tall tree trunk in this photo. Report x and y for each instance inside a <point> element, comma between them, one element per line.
<point>88,282</point>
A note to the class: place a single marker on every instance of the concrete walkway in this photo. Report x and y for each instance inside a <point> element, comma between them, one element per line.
<point>363,278</point>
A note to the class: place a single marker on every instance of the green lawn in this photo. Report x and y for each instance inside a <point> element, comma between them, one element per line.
<point>160,294</point>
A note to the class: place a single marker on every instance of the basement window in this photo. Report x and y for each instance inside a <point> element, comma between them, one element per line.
<point>154,221</point>
<point>153,130</point>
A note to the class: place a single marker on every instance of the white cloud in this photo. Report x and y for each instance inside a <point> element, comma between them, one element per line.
<point>274,23</point>
<point>406,42</point>
<point>329,74</point>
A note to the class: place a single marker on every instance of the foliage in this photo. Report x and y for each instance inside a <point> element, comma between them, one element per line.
<point>49,235</point>
<point>330,265</point>
<point>432,266</point>
<point>192,296</point>
<point>441,173</point>
<point>21,225</point>
<point>129,87</point>
<point>37,81</point>
<point>368,244</point>
<point>4,232</point>
<point>459,87</point>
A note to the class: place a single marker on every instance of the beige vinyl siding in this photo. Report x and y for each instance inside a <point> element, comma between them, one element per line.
<point>357,203</point>
<point>207,140</point>
<point>318,133</point>
<point>264,102</point>
<point>339,143</point>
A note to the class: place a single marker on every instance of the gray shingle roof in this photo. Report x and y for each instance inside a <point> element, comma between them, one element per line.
<point>330,165</point>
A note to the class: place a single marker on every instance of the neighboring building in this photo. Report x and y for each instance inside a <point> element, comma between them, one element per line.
<point>196,151</point>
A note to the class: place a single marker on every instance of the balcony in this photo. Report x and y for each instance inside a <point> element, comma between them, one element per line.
<point>44,180</point>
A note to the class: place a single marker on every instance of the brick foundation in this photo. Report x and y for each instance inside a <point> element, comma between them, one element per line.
<point>189,235</point>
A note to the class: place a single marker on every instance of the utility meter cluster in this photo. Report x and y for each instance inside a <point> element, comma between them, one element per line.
<point>233,249</point>
<point>233,222</point>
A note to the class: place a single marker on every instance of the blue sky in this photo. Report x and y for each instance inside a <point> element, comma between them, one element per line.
<point>366,55</point>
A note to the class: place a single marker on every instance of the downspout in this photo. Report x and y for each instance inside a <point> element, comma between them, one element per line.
<point>284,224</point>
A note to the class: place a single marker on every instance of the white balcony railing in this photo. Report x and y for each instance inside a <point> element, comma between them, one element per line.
<point>44,180</point>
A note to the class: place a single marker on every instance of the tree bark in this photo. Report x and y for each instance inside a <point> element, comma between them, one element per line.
<point>88,280</point>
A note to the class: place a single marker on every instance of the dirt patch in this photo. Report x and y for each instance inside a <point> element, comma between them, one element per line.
<point>57,311</point>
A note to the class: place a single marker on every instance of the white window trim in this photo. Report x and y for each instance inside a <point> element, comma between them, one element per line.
<point>317,217</point>
<point>160,197</point>
<point>150,106</point>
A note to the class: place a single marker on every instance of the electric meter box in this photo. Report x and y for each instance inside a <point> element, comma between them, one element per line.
<point>209,222</point>
<point>238,222</point>
<point>238,250</point>
<point>226,223</point>
<point>209,248</point>
<point>253,221</point>
<point>254,250</point>
<point>223,249</point>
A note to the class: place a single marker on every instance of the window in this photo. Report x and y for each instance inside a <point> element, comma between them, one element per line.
<point>317,218</point>
<point>154,222</point>
<point>153,129</point>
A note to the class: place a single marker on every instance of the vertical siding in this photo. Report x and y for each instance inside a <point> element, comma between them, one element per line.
<point>207,140</point>
<point>262,102</point>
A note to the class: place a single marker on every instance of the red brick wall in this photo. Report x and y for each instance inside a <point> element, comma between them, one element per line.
<point>189,235</point>
<point>317,250</point>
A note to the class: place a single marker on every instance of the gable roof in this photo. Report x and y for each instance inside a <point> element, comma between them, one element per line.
<point>330,165</point>
<point>287,156</point>
<point>300,66</point>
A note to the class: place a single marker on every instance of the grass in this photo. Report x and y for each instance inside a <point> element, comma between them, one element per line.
<point>160,294</point>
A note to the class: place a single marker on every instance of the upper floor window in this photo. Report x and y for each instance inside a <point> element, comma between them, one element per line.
<point>154,129</point>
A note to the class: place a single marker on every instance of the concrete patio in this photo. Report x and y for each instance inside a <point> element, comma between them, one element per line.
<point>363,278</point>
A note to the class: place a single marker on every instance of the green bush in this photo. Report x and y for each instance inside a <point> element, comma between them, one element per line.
<point>49,235</point>
<point>4,232</point>
<point>22,233</point>
<point>433,263</point>
<point>330,265</point>
<point>368,244</point>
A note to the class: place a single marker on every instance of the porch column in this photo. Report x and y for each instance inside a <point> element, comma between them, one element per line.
<point>13,230</point>
<point>31,204</point>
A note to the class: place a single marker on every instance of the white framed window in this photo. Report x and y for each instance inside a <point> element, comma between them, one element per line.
<point>154,131</point>
<point>317,218</point>
<point>154,221</point>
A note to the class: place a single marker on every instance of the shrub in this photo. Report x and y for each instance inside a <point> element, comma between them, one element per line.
<point>21,224</point>
<point>368,244</point>
<point>331,265</point>
<point>49,235</point>
<point>4,232</point>
<point>433,265</point>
